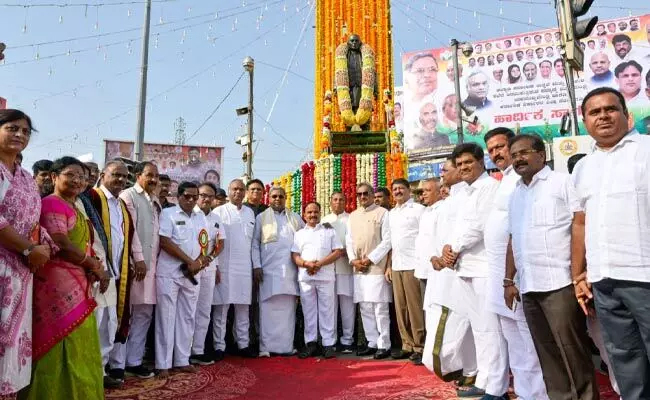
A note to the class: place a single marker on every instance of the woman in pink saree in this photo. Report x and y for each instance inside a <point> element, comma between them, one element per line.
<point>67,360</point>
<point>21,253</point>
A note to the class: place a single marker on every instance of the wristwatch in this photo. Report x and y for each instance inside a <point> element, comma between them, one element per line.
<point>28,250</point>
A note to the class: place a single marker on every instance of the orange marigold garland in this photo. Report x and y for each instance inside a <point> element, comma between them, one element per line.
<point>342,82</point>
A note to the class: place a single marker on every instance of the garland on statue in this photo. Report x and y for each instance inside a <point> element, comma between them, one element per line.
<point>342,84</point>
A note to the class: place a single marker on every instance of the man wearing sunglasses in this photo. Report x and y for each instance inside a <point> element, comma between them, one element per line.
<point>276,274</point>
<point>367,242</point>
<point>184,239</point>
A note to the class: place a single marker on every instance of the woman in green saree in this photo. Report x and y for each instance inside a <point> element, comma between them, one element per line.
<point>67,360</point>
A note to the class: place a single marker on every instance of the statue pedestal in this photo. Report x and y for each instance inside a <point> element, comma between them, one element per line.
<point>359,142</point>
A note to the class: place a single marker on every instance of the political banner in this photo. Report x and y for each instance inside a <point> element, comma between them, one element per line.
<point>181,163</point>
<point>518,81</point>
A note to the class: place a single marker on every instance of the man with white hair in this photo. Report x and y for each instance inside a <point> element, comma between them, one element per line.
<point>477,91</point>
<point>276,274</point>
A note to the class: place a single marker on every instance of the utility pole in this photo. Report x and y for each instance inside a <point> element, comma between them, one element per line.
<point>459,110</point>
<point>139,140</point>
<point>573,30</point>
<point>249,65</point>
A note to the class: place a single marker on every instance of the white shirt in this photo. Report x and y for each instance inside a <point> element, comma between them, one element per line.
<point>117,230</point>
<point>404,225</point>
<point>425,240</point>
<point>314,244</point>
<point>495,237</point>
<point>470,223</point>
<point>614,189</point>
<point>235,262</point>
<point>280,273</point>
<point>340,224</point>
<point>540,219</point>
<point>184,230</point>
<point>216,232</point>
<point>440,284</point>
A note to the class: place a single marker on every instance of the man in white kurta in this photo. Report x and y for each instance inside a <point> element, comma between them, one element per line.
<point>183,233</point>
<point>144,207</point>
<point>276,274</point>
<point>465,252</point>
<point>210,276</point>
<point>432,201</point>
<point>338,218</point>
<point>449,350</point>
<point>123,247</point>
<point>521,356</point>
<point>367,242</point>
<point>235,267</point>
<point>315,249</point>
<point>404,221</point>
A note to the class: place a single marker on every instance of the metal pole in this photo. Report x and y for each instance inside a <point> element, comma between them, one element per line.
<point>249,147</point>
<point>562,8</point>
<point>459,109</point>
<point>139,139</point>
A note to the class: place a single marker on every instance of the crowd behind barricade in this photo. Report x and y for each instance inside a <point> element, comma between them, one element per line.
<point>483,278</point>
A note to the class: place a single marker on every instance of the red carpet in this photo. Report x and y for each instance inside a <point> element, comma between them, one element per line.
<point>291,378</point>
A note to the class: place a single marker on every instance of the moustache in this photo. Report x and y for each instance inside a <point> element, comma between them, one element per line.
<point>520,164</point>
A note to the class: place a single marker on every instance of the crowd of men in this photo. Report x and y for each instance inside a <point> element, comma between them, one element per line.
<point>488,277</point>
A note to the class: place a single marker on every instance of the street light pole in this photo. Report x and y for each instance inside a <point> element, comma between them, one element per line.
<point>459,109</point>
<point>249,65</point>
<point>139,140</point>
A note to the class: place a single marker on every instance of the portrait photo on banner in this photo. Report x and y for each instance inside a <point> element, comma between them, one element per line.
<point>518,81</point>
<point>182,163</point>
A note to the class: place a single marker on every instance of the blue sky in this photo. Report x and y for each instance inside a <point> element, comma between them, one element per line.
<point>78,99</point>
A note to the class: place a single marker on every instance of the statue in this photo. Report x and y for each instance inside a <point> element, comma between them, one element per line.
<point>356,82</point>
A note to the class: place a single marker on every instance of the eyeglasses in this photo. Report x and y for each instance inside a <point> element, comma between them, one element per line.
<point>523,153</point>
<point>277,196</point>
<point>190,196</point>
<point>74,177</point>
<point>361,194</point>
<point>206,196</point>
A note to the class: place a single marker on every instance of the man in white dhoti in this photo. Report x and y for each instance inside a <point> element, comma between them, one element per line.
<point>367,242</point>
<point>236,271</point>
<point>424,240</point>
<point>315,249</point>
<point>449,347</point>
<point>404,221</point>
<point>184,237</point>
<point>113,318</point>
<point>144,207</point>
<point>277,274</point>
<point>210,275</point>
<point>521,357</point>
<point>465,253</point>
<point>338,218</point>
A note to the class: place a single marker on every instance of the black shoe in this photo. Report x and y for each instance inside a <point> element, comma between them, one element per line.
<point>112,383</point>
<point>117,374</point>
<point>368,351</point>
<point>219,355</point>
<point>201,359</point>
<point>140,371</point>
<point>329,352</point>
<point>309,351</point>
<point>247,352</point>
<point>401,355</point>
<point>345,349</point>
<point>416,358</point>
<point>381,354</point>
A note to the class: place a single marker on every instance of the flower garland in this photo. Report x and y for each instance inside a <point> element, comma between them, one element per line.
<point>375,170</point>
<point>342,84</point>
<point>336,181</point>
<point>394,136</point>
<point>349,181</point>
<point>297,192</point>
<point>381,169</point>
<point>326,134</point>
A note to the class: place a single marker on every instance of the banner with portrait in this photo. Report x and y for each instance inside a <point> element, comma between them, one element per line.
<point>518,81</point>
<point>182,163</point>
